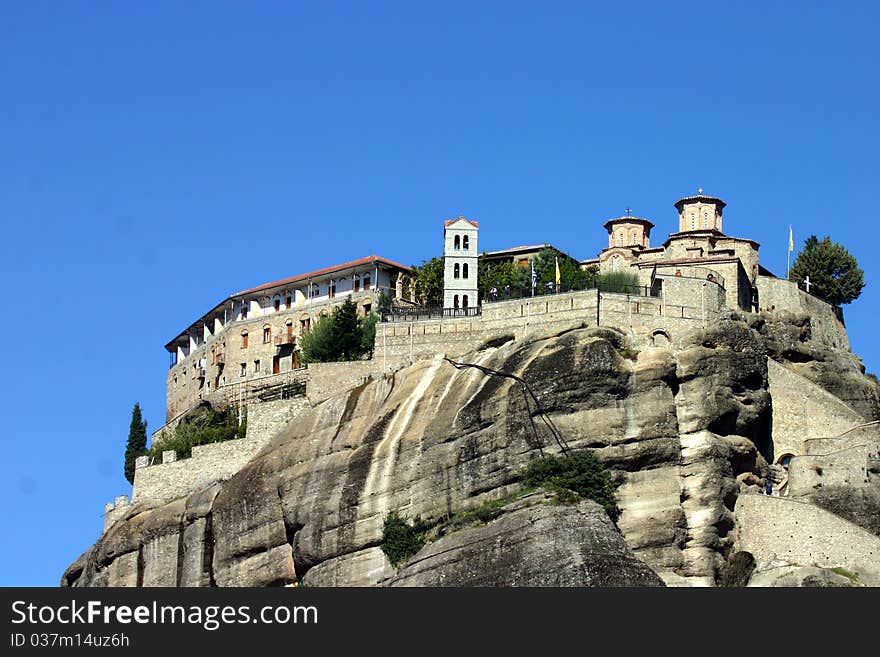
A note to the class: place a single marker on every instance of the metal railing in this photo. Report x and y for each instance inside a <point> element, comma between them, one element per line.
<point>509,293</point>
<point>416,313</point>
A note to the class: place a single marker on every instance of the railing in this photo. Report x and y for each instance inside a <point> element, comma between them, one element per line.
<point>281,340</point>
<point>416,313</point>
<point>508,293</point>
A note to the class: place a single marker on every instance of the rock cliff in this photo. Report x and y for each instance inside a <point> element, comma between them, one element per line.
<point>686,430</point>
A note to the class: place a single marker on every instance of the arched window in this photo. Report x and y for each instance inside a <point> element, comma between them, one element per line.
<point>455,301</point>
<point>705,219</point>
<point>635,237</point>
<point>455,271</point>
<point>693,221</point>
<point>465,243</point>
<point>615,263</point>
<point>277,304</point>
<point>456,243</point>
<point>464,271</point>
<point>244,309</point>
<point>464,301</point>
<point>244,339</point>
<point>331,289</point>
<point>267,335</point>
<point>620,238</point>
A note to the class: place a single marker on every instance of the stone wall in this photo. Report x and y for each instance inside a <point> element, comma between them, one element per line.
<point>826,321</point>
<point>113,511</point>
<point>217,461</point>
<point>686,303</point>
<point>803,410</point>
<point>778,530</point>
<point>865,434</point>
<point>847,467</point>
<point>328,379</point>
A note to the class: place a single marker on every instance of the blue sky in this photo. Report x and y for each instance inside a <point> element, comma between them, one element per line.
<point>155,157</point>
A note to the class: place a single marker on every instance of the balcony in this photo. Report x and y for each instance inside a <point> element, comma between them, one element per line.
<point>219,359</point>
<point>281,340</point>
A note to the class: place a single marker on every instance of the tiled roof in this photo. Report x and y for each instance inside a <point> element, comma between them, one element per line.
<point>321,272</point>
<point>516,249</point>
<point>452,221</point>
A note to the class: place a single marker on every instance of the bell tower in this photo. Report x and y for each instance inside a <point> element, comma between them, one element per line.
<point>460,266</point>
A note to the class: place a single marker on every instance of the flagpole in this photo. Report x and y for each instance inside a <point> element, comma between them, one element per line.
<point>788,255</point>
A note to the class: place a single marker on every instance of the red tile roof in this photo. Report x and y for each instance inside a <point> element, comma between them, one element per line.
<point>452,221</point>
<point>321,272</point>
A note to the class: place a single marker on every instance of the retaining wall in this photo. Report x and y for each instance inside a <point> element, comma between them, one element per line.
<point>778,530</point>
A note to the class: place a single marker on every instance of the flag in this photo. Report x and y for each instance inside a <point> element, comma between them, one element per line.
<point>790,239</point>
<point>534,276</point>
<point>558,277</point>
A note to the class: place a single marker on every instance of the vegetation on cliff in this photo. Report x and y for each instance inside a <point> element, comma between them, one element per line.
<point>572,478</point>
<point>201,428</point>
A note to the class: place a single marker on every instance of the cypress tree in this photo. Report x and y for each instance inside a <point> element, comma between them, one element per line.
<point>834,273</point>
<point>137,442</point>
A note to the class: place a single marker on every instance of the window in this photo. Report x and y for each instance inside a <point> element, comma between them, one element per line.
<point>366,281</point>
<point>464,301</point>
<point>620,238</point>
<point>367,308</point>
<point>464,270</point>
<point>256,366</point>
<point>635,237</point>
<point>693,221</point>
<point>244,339</point>
<point>289,303</point>
<point>705,219</point>
<point>244,309</point>
<point>267,335</point>
<point>465,243</point>
<point>455,271</point>
<point>455,301</point>
<point>314,290</point>
<point>289,331</point>
<point>456,244</point>
<point>304,325</point>
<point>331,289</point>
<point>243,370</point>
<point>277,304</point>
<point>357,283</point>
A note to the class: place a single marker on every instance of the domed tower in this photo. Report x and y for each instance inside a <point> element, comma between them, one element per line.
<point>699,213</point>
<point>627,231</point>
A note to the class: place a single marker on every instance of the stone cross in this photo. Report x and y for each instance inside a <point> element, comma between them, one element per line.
<point>628,212</point>
<point>807,283</point>
<point>700,191</point>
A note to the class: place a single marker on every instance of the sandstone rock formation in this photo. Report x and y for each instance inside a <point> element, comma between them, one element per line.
<point>686,431</point>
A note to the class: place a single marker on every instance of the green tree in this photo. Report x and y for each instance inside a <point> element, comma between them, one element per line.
<point>368,333</point>
<point>339,336</point>
<point>428,281</point>
<point>317,345</point>
<point>834,273</point>
<point>137,441</point>
<point>346,330</point>
<point>571,276</point>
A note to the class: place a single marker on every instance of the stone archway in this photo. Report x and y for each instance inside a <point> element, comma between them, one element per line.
<point>660,338</point>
